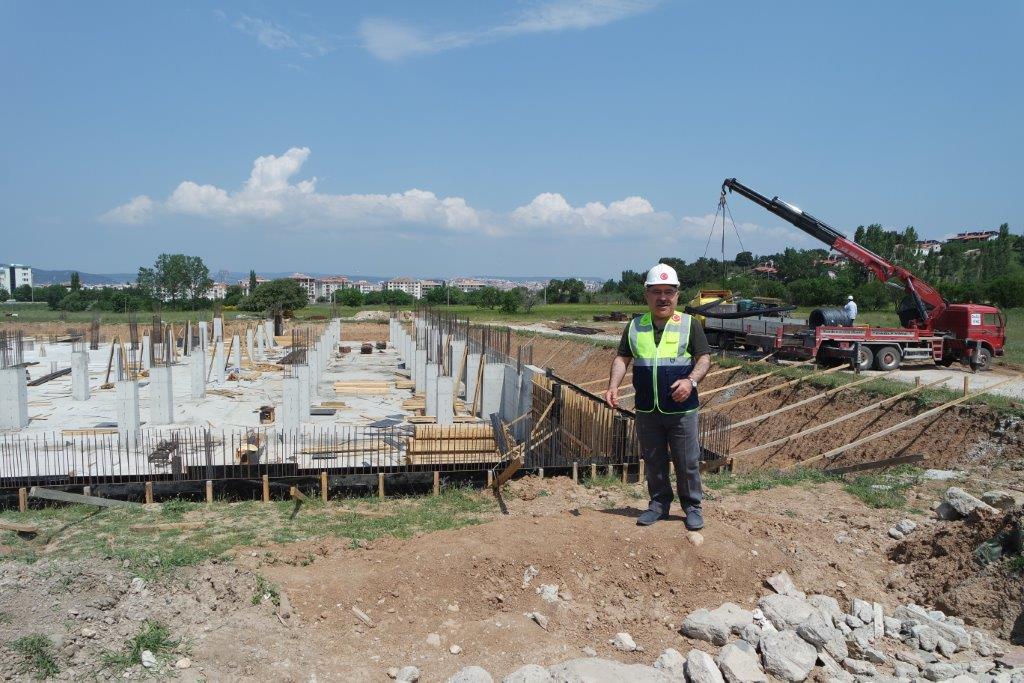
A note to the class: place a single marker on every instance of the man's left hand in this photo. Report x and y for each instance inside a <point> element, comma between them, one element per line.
<point>681,389</point>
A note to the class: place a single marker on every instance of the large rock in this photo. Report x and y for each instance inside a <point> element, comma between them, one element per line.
<point>947,629</point>
<point>739,662</point>
<point>787,656</point>
<point>784,611</point>
<point>531,673</point>
<point>858,667</point>
<point>833,671</point>
<point>941,671</point>
<point>862,610</point>
<point>964,503</point>
<point>715,626</point>
<point>701,668</point>
<point>827,606</point>
<point>471,674</point>
<point>407,674</point>
<point>783,584</point>
<point>823,636</point>
<point>1003,500</point>
<point>672,663</point>
<point>623,641</point>
<point>597,670</point>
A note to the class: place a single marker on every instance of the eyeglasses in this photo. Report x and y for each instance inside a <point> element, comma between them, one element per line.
<point>663,292</point>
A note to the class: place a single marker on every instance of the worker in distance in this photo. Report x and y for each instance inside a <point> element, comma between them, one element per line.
<point>670,357</point>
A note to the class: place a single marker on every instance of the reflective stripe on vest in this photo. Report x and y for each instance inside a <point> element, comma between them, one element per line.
<point>656,366</point>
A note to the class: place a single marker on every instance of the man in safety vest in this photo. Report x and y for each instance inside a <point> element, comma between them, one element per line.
<point>669,353</point>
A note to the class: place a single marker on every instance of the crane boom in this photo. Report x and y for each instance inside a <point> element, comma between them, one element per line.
<point>924,304</point>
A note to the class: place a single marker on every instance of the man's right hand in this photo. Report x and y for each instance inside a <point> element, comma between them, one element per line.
<point>611,397</point>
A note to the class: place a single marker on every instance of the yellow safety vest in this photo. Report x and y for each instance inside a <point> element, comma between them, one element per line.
<point>657,366</point>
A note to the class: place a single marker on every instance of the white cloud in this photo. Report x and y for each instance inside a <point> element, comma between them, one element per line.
<point>134,212</point>
<point>276,37</point>
<point>274,197</point>
<point>393,41</point>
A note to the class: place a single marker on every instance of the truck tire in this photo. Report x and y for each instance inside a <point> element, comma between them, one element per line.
<point>866,359</point>
<point>984,360</point>
<point>888,358</point>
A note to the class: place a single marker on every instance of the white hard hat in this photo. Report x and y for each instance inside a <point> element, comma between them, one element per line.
<point>662,275</point>
<point>850,298</point>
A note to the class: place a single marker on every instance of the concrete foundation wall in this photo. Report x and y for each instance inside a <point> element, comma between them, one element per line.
<point>80,376</point>
<point>218,363</point>
<point>291,404</point>
<point>161,395</point>
<point>13,398</point>
<point>421,371</point>
<point>197,373</point>
<point>472,372</point>
<point>445,403</point>
<point>494,378</point>
<point>431,389</point>
<point>128,419</point>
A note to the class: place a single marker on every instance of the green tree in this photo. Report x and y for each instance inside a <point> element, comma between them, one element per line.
<point>252,281</point>
<point>745,259</point>
<point>285,294</point>
<point>52,295</point>
<point>443,295</point>
<point>511,301</point>
<point>23,293</point>
<point>350,296</point>
<point>74,301</point>
<point>1007,291</point>
<point>76,281</point>
<point>234,295</point>
<point>4,294</point>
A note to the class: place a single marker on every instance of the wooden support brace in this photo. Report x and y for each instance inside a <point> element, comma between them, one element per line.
<point>323,486</point>
<point>777,387</point>
<point>380,484</point>
<point>266,488</point>
<point>437,483</point>
<point>65,497</point>
<point>625,473</point>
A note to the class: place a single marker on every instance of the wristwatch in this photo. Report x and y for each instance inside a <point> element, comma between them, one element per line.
<point>693,382</point>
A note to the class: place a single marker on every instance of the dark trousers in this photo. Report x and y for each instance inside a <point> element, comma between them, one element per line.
<point>661,435</point>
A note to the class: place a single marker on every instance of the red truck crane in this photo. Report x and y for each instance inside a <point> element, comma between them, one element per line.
<point>933,330</point>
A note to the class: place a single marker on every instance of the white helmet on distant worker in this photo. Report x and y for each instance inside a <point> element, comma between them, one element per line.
<point>662,275</point>
<point>850,298</point>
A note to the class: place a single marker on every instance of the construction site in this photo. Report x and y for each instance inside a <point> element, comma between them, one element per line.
<point>423,497</point>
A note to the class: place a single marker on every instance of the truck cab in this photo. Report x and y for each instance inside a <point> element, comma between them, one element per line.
<point>969,325</point>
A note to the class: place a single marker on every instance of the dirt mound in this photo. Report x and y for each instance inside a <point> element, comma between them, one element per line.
<point>941,568</point>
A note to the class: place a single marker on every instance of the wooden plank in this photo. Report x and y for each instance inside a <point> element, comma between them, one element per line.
<point>65,497</point>
<point>825,425</point>
<point>168,526</point>
<point>296,494</point>
<point>749,380</point>
<point>812,399</point>
<point>18,527</point>
<point>266,488</point>
<point>149,493</point>
<point>513,466</point>
<point>437,483</point>
<point>769,390</point>
<point>23,499</point>
<point>895,428</point>
<point>877,464</point>
<point>46,378</point>
<point>209,491</point>
<point>89,431</point>
<point>323,486</point>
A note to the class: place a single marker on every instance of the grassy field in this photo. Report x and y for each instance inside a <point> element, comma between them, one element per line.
<point>564,313</point>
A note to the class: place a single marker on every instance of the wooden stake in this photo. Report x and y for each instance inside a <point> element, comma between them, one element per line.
<point>625,473</point>
<point>917,381</point>
<point>266,488</point>
<point>209,492</point>
<point>575,472</point>
<point>967,385</point>
<point>490,478</point>
<point>641,475</point>
<point>149,493</point>
<point>825,425</point>
<point>540,472</point>
<point>593,470</point>
<point>23,499</point>
<point>437,483</point>
<point>889,430</point>
<point>86,490</point>
<point>380,484</point>
<point>323,486</point>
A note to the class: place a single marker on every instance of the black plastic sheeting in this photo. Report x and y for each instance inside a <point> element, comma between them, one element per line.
<point>829,317</point>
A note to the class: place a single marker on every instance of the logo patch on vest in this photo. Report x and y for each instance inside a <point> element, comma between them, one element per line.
<point>676,318</point>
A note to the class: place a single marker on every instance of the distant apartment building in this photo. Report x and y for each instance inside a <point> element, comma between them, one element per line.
<point>326,287</point>
<point>466,285</point>
<point>925,247</point>
<point>15,275</point>
<point>363,286</point>
<point>218,290</point>
<point>976,236</point>
<point>307,282</point>
<point>404,284</point>
<point>427,285</point>
<point>244,284</point>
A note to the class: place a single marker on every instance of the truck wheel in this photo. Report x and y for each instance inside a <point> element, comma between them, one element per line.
<point>888,358</point>
<point>866,358</point>
<point>984,361</point>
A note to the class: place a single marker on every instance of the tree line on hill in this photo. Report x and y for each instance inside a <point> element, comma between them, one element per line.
<point>989,271</point>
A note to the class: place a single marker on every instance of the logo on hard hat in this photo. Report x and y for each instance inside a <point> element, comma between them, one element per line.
<point>664,276</point>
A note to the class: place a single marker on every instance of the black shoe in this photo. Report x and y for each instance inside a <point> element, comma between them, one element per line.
<point>694,519</point>
<point>649,517</point>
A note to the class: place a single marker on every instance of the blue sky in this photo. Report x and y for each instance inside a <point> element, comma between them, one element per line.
<point>542,137</point>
